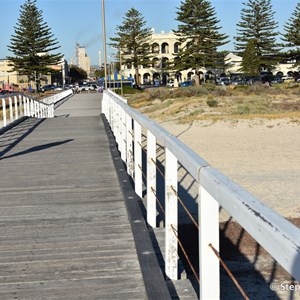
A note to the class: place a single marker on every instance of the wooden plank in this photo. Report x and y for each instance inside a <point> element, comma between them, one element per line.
<point>64,230</point>
<point>154,281</point>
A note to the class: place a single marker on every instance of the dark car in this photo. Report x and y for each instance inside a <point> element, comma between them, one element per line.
<point>253,80</point>
<point>277,80</point>
<point>238,81</point>
<point>48,87</point>
<point>186,83</point>
<point>223,81</point>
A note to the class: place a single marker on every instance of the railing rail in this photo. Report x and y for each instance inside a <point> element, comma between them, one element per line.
<point>16,106</point>
<point>273,232</point>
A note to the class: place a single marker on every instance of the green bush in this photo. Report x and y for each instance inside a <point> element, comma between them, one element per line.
<point>128,90</point>
<point>242,110</point>
<point>212,102</point>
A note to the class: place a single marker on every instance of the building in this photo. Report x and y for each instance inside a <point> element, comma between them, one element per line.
<point>82,59</point>
<point>234,61</point>
<point>9,78</point>
<point>19,82</point>
<point>165,46</point>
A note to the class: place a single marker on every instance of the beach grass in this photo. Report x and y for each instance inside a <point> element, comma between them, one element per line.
<point>185,105</point>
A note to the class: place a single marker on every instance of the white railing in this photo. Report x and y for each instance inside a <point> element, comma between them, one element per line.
<point>15,106</point>
<point>57,97</point>
<point>278,236</point>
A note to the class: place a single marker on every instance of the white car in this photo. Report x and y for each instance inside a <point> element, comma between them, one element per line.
<point>287,78</point>
<point>88,87</point>
<point>170,83</point>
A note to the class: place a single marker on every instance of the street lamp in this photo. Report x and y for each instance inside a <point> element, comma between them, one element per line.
<point>121,71</point>
<point>104,44</point>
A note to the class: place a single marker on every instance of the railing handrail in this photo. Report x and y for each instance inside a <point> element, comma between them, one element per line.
<point>23,95</point>
<point>21,105</point>
<point>276,234</point>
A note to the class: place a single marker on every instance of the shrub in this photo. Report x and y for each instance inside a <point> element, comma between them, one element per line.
<point>242,110</point>
<point>128,90</point>
<point>221,91</point>
<point>212,102</point>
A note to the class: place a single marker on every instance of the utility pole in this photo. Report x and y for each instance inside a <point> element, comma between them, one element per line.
<point>104,43</point>
<point>100,60</point>
<point>121,72</point>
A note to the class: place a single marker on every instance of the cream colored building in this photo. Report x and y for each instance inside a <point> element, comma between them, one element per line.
<point>8,78</point>
<point>20,82</point>
<point>83,60</point>
<point>165,46</point>
<point>234,61</point>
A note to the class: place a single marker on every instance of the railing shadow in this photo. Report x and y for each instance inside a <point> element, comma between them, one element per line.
<point>37,148</point>
<point>9,139</point>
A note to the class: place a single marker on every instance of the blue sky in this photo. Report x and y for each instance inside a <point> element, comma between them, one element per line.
<point>79,21</point>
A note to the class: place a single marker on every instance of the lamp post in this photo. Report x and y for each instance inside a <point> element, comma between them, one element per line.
<point>121,71</point>
<point>104,44</point>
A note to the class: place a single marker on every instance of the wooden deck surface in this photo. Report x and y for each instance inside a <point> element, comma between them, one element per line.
<point>64,230</point>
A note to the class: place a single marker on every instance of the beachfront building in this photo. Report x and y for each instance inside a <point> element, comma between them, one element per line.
<point>164,47</point>
<point>233,66</point>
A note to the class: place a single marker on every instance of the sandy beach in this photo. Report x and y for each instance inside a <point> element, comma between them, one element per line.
<point>263,156</point>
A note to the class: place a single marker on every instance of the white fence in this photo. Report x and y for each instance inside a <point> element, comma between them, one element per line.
<point>278,236</point>
<point>14,107</point>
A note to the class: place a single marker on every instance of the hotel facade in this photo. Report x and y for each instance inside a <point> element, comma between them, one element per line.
<point>164,49</point>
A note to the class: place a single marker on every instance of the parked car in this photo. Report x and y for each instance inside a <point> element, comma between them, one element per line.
<point>288,78</point>
<point>253,80</point>
<point>223,81</point>
<point>186,83</point>
<point>238,81</point>
<point>277,79</point>
<point>48,87</point>
<point>170,83</point>
<point>88,87</point>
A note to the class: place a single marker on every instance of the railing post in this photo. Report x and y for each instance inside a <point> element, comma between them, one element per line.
<point>35,108</point>
<point>138,180</point>
<point>16,108</point>
<point>118,132</point>
<point>27,107</point>
<point>151,179</point>
<point>38,104</point>
<point>209,265</point>
<point>31,107</point>
<point>4,112</point>
<point>123,135</point>
<point>11,113</point>
<point>171,215</point>
<point>52,110</point>
<point>129,145</point>
<point>113,117</point>
<point>21,111</point>
<point>45,110</point>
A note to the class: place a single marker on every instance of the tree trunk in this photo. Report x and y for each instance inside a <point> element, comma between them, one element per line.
<point>197,76</point>
<point>137,77</point>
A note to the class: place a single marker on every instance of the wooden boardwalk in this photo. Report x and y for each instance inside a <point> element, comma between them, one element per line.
<point>64,229</point>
